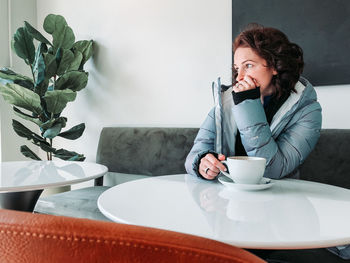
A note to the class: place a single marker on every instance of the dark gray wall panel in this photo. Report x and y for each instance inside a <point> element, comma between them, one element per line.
<point>320,27</point>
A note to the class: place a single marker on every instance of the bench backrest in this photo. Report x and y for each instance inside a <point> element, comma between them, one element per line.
<point>329,162</point>
<point>161,151</point>
<point>148,151</point>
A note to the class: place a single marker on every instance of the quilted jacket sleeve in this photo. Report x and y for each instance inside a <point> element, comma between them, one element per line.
<point>290,148</point>
<point>203,144</point>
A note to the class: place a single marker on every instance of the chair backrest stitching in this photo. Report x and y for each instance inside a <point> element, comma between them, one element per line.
<point>121,243</point>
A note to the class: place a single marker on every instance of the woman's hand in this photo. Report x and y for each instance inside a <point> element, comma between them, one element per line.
<point>210,167</point>
<point>247,83</point>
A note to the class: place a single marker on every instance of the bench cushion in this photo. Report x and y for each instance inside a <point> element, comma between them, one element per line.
<point>80,203</point>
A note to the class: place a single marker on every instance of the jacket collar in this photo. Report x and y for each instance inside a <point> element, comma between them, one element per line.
<point>293,99</point>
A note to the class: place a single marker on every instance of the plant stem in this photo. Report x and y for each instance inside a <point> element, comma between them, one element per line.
<point>54,82</point>
<point>48,157</point>
<point>51,152</point>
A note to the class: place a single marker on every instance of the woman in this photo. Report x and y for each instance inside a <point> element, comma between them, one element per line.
<point>270,111</point>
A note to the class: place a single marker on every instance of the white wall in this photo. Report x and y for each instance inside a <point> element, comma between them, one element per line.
<point>10,21</point>
<point>335,102</point>
<point>154,64</point>
<point>4,54</point>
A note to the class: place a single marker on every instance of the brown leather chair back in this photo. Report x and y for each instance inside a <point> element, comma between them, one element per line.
<point>26,237</point>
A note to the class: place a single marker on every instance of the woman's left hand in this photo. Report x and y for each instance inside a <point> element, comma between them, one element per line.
<point>245,84</point>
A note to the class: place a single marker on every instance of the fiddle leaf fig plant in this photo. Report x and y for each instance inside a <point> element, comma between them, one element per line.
<point>57,69</point>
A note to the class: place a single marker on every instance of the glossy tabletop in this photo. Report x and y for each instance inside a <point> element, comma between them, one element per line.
<point>292,214</point>
<point>35,175</point>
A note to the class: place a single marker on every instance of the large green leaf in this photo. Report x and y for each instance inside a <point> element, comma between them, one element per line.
<point>28,153</point>
<point>53,131</point>
<point>42,87</point>
<point>24,83</point>
<point>50,23</point>
<point>74,80</point>
<point>55,128</point>
<point>74,132</point>
<point>58,54</point>
<point>27,117</point>
<point>46,116</point>
<point>62,34</point>
<point>51,65</point>
<point>39,66</point>
<point>51,122</point>
<point>78,57</point>
<point>36,34</point>
<point>23,131</point>
<point>9,76</point>
<point>21,97</point>
<point>66,60</point>
<point>23,45</point>
<point>85,47</point>
<point>46,147</point>
<point>6,73</point>
<point>69,155</point>
<point>57,100</point>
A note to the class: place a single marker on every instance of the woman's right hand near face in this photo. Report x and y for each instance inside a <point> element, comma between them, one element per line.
<point>245,84</point>
<point>214,165</point>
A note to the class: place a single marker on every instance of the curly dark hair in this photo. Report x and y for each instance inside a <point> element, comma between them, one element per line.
<point>273,45</point>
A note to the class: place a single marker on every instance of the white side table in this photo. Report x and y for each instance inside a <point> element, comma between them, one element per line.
<point>21,183</point>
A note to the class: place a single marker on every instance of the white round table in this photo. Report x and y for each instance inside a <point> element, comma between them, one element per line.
<point>292,214</point>
<point>22,182</point>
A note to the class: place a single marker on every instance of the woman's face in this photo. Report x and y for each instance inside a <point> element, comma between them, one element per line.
<point>248,63</point>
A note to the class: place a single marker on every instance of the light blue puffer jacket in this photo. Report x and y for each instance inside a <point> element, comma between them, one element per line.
<point>285,143</point>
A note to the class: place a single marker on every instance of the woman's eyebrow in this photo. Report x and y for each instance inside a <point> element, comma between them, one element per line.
<point>245,61</point>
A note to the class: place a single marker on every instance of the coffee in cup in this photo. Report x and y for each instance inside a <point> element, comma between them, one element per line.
<point>245,169</point>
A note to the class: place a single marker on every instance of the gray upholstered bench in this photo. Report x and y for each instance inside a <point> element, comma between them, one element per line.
<point>129,154</point>
<point>77,203</point>
<point>135,153</point>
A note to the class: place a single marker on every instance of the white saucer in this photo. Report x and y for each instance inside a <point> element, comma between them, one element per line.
<point>264,184</point>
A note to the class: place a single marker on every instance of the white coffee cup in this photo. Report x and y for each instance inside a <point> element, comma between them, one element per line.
<point>245,169</point>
